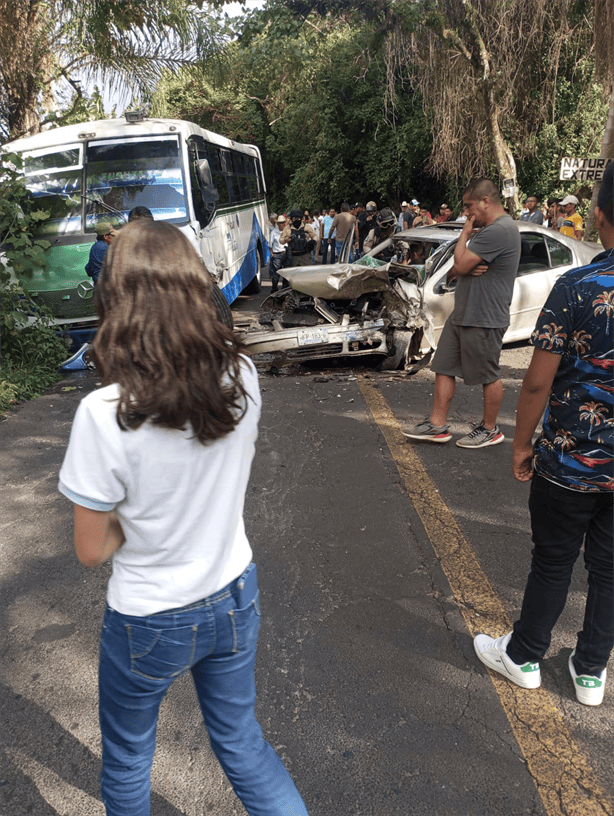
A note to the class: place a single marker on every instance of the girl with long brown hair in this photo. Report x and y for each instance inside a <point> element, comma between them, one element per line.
<point>157,467</point>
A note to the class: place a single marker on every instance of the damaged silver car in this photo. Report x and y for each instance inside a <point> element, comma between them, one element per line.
<point>368,307</point>
<point>394,301</point>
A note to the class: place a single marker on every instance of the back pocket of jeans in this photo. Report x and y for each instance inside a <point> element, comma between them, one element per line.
<point>245,625</point>
<point>161,653</point>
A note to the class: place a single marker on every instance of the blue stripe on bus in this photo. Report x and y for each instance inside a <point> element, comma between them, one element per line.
<point>249,267</point>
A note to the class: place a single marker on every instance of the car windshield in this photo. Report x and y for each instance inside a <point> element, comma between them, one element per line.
<point>126,173</point>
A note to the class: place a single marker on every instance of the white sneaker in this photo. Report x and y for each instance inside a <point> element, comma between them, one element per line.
<point>589,689</point>
<point>492,652</point>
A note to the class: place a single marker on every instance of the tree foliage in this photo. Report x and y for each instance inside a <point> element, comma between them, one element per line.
<point>490,72</point>
<point>31,351</point>
<point>44,43</point>
<point>311,93</point>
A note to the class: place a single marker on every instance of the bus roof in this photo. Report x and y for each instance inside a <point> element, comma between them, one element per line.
<point>119,128</point>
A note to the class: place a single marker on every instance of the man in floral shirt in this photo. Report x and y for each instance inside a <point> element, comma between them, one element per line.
<point>571,468</point>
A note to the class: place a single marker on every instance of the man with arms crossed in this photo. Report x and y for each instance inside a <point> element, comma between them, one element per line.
<point>470,344</point>
<point>571,472</point>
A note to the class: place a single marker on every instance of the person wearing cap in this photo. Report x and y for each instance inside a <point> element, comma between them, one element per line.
<point>104,237</point>
<point>300,238</point>
<point>278,253</point>
<point>404,206</point>
<point>408,218</point>
<point>572,222</point>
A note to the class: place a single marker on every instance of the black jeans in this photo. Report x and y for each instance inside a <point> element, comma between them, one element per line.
<point>561,520</point>
<point>328,251</point>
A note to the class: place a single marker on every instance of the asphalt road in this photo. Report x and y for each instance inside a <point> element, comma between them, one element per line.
<point>368,685</point>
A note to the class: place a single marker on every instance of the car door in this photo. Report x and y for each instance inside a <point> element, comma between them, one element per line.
<point>543,259</point>
<point>439,296</point>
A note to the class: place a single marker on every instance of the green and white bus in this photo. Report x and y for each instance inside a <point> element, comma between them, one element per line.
<point>212,188</point>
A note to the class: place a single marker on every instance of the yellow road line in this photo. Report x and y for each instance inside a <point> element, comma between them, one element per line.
<point>566,783</point>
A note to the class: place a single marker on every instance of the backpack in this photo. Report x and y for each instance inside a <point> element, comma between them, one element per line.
<point>299,243</point>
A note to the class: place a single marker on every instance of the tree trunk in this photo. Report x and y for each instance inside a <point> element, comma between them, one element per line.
<point>24,117</point>
<point>504,157</point>
<point>24,59</point>
<point>607,152</point>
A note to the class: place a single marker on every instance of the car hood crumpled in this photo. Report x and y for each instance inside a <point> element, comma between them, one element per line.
<point>338,281</point>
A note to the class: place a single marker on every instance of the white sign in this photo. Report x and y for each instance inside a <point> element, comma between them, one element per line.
<point>509,188</point>
<point>583,169</point>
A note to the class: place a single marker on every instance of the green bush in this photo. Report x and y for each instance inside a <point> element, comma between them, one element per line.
<point>31,351</point>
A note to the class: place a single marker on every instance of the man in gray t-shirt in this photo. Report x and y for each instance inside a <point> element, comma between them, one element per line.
<point>485,268</point>
<point>484,300</point>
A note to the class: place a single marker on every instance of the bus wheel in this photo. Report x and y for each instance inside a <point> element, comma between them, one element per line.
<point>224,315</point>
<point>253,287</point>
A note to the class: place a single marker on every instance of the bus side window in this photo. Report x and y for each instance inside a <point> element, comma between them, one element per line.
<point>204,193</point>
<point>197,197</point>
<point>254,186</point>
<point>219,178</point>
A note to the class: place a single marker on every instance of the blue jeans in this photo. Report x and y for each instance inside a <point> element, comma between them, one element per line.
<point>339,247</point>
<point>139,659</point>
<point>561,520</point>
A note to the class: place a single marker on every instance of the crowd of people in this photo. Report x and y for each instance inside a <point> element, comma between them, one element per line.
<point>557,214</point>
<point>303,238</point>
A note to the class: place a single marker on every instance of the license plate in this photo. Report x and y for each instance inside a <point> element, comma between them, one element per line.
<point>312,337</point>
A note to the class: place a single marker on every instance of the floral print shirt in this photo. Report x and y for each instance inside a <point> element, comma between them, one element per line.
<point>576,446</point>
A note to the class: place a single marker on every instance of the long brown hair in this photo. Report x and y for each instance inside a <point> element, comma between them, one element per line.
<point>160,340</point>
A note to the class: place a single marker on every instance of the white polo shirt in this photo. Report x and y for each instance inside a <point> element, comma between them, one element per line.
<point>180,503</point>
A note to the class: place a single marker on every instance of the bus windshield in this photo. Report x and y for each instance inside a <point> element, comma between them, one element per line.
<point>119,174</point>
<point>126,173</point>
<point>54,175</point>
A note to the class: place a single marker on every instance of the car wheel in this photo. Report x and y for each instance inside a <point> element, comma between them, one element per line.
<point>398,351</point>
<point>253,287</point>
<point>224,315</point>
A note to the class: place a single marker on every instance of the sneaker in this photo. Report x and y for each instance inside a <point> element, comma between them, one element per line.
<point>589,688</point>
<point>493,653</point>
<point>481,437</point>
<point>429,432</point>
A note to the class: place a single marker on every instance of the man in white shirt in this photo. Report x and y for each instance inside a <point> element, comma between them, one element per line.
<point>278,254</point>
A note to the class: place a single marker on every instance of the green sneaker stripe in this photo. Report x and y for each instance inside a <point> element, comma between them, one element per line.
<point>589,682</point>
<point>529,667</point>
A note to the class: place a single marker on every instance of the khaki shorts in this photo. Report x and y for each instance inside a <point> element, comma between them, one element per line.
<point>469,352</point>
